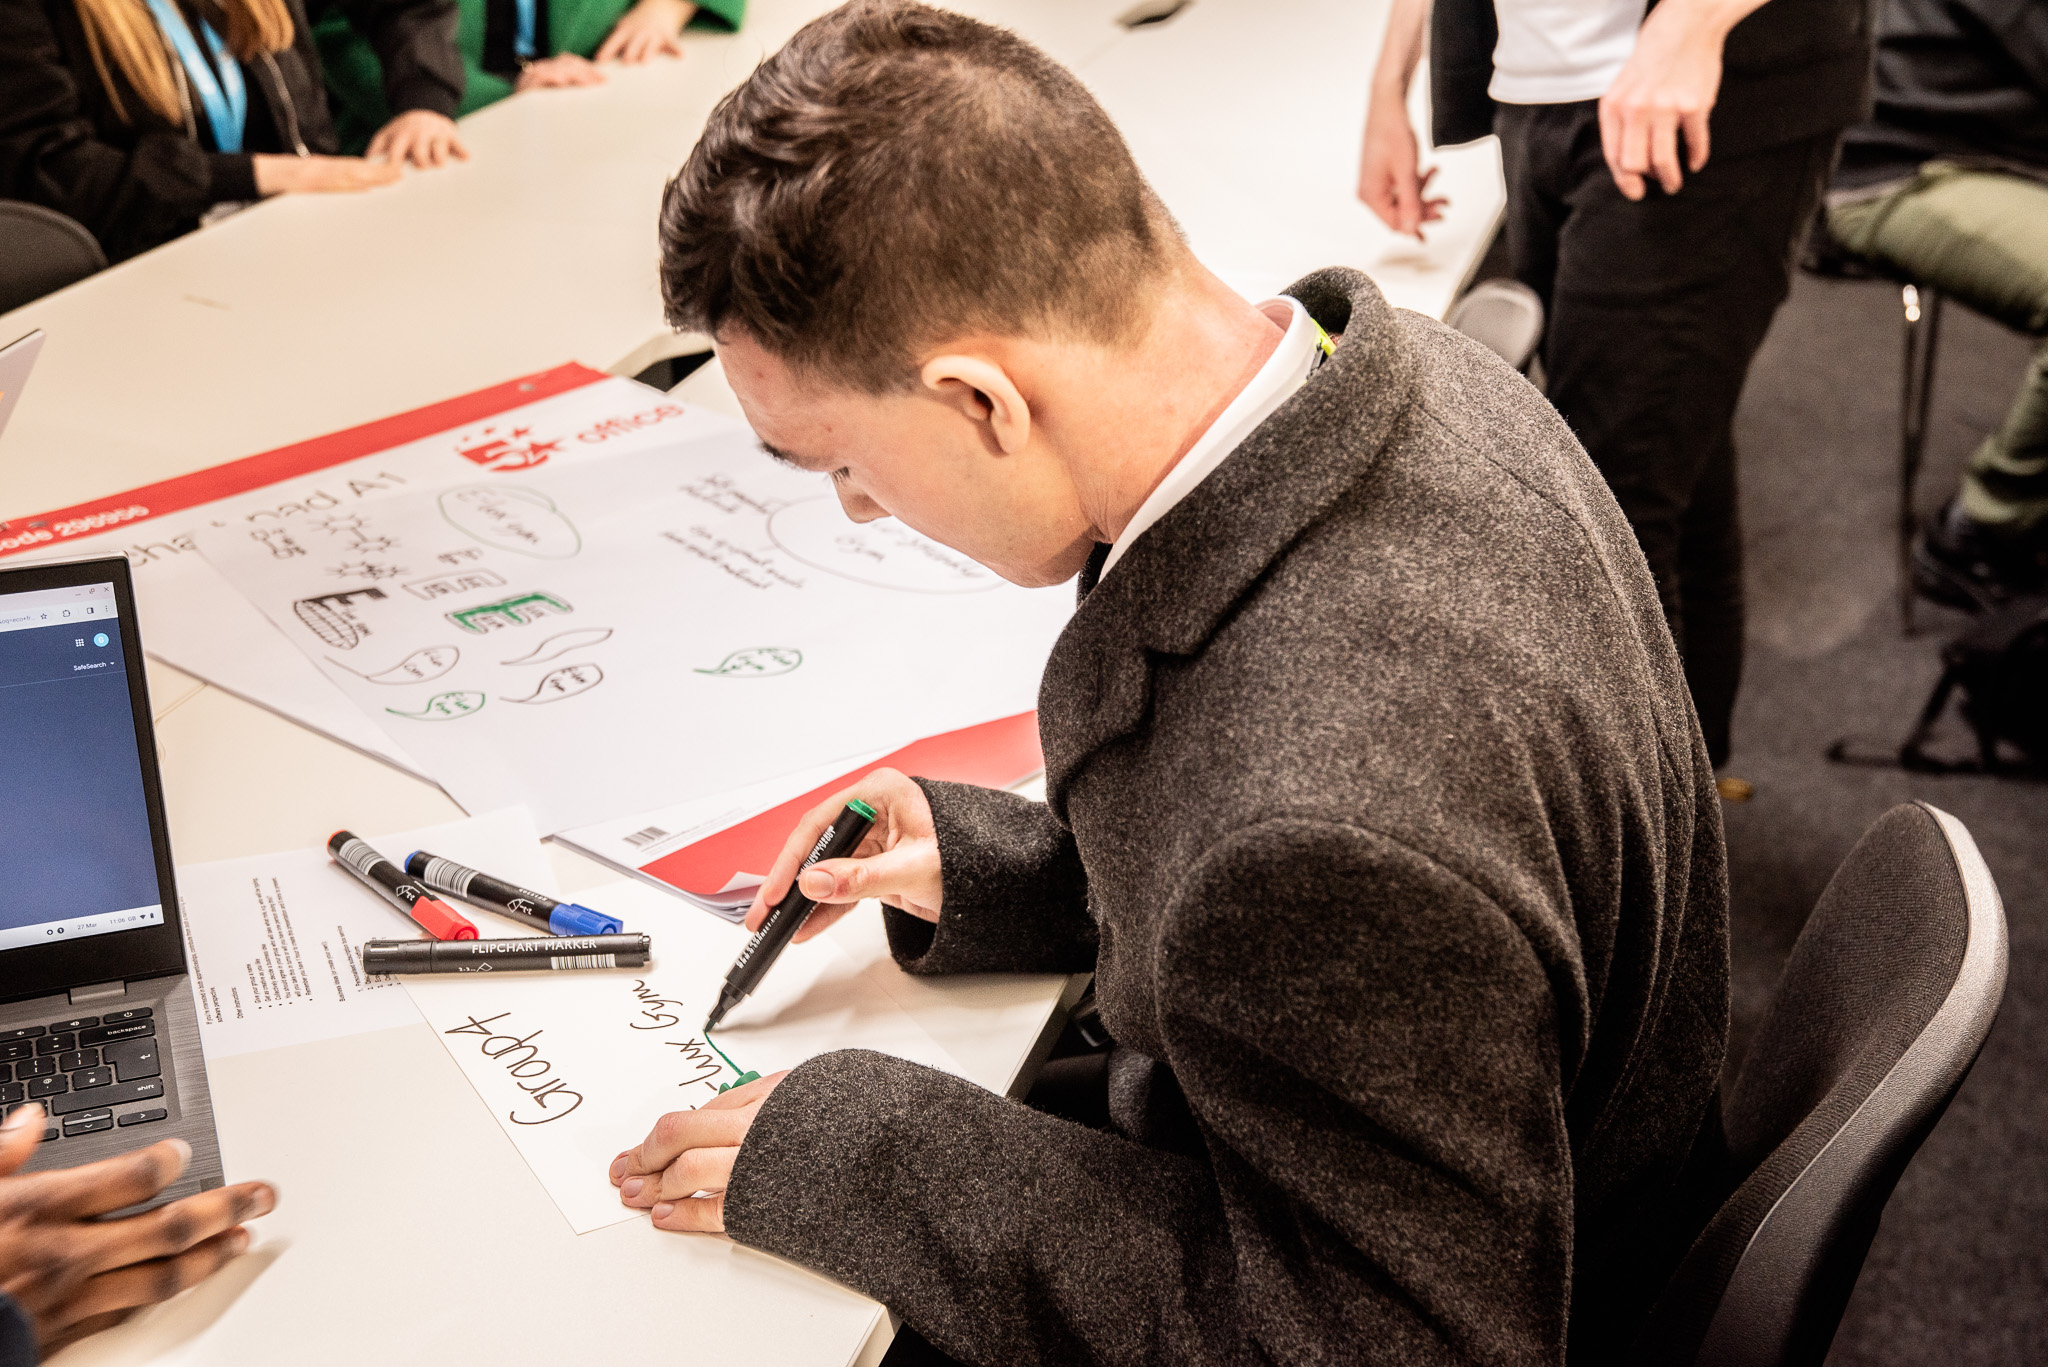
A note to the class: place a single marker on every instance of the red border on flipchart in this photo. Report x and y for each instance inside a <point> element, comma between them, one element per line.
<point>289,462</point>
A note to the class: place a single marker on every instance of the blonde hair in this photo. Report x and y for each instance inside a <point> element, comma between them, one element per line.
<point>123,36</point>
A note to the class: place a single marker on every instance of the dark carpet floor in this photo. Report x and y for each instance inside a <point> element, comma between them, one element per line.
<point>1959,1273</point>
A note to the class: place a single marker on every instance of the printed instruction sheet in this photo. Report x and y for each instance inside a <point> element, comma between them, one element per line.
<point>577,1065</point>
<point>618,635</point>
<point>275,941</point>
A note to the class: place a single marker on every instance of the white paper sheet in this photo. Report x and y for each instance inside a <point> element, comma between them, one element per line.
<point>578,1065</point>
<point>275,941</point>
<point>618,635</point>
<point>194,620</point>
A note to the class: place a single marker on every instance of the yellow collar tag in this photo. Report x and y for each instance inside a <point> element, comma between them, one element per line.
<point>1323,339</point>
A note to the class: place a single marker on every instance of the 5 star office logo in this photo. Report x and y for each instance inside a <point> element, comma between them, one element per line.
<point>510,448</point>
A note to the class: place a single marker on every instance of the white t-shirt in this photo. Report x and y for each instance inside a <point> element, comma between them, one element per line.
<point>1286,370</point>
<point>1561,51</point>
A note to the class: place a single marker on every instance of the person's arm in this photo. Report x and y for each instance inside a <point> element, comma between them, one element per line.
<point>1368,1048</point>
<point>51,154</point>
<point>67,1271</point>
<point>1668,87</point>
<point>1390,181</point>
<point>423,79</point>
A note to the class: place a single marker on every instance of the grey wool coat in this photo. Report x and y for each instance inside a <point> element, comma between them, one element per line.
<point>1377,806</point>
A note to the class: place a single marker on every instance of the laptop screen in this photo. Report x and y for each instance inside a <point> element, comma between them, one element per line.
<point>76,858</point>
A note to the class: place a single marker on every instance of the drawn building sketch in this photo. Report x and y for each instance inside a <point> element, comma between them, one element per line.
<point>446,706</point>
<point>336,617</point>
<point>458,582</point>
<point>565,682</point>
<point>756,662</point>
<point>560,644</point>
<point>522,610</point>
<point>422,666</point>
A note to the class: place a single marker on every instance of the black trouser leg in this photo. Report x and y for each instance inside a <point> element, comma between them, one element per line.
<point>1656,309</point>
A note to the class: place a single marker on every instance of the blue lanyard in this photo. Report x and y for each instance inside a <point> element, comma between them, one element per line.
<point>223,96</point>
<point>525,15</point>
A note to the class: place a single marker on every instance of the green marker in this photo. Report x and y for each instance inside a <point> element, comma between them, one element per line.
<point>840,839</point>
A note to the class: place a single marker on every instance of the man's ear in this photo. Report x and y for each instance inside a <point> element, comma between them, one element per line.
<point>983,392</point>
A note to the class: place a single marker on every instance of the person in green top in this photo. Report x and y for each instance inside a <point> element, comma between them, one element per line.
<point>510,45</point>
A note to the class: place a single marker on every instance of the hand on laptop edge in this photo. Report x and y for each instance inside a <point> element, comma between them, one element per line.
<point>73,1274</point>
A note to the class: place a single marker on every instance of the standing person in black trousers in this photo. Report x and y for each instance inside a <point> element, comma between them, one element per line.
<point>1660,169</point>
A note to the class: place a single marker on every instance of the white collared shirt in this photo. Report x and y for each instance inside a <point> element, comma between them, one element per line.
<point>1286,370</point>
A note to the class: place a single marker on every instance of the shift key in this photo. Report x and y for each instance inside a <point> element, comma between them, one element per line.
<point>132,1058</point>
<point>113,1094</point>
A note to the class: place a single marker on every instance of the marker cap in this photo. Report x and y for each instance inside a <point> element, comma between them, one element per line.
<point>442,921</point>
<point>570,919</point>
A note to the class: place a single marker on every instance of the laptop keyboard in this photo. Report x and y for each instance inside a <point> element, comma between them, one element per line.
<point>81,1069</point>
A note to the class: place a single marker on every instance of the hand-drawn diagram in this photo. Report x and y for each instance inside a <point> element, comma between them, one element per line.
<point>365,569</point>
<point>459,582</point>
<point>511,518</point>
<point>336,617</point>
<point>422,666</point>
<point>560,644</point>
<point>756,662</point>
<point>522,610</point>
<point>565,682</point>
<point>446,706</point>
<point>278,541</point>
<point>360,538</point>
<point>882,555</point>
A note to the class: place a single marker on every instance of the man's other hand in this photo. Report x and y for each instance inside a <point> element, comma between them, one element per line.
<point>679,1174</point>
<point>559,72</point>
<point>419,136</point>
<point>897,862</point>
<point>73,1274</point>
<point>1668,87</point>
<point>1390,181</point>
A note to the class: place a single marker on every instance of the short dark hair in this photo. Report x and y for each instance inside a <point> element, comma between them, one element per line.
<point>897,176</point>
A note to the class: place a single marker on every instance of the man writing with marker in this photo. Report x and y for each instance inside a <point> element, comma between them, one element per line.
<point>1374,799</point>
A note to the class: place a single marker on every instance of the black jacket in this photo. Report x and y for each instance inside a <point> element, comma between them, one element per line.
<point>1377,806</point>
<point>136,185</point>
<point>1961,80</point>
<point>1793,69</point>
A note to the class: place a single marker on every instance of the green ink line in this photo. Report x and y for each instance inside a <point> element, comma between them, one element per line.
<point>742,1079</point>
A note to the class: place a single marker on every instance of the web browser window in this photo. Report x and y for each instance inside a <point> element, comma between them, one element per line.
<point>76,857</point>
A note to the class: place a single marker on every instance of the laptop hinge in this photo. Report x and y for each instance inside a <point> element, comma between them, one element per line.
<point>98,992</point>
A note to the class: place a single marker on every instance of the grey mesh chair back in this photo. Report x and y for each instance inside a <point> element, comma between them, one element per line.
<point>42,251</point>
<point>1883,1006</point>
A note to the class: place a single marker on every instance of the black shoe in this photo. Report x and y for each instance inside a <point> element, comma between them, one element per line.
<point>1959,562</point>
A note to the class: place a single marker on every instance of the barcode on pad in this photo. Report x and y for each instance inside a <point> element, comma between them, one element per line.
<point>584,961</point>
<point>641,839</point>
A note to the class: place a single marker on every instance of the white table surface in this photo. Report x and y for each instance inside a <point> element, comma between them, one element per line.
<point>410,1230</point>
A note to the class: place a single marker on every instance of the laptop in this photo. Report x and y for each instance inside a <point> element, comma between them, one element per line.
<point>17,358</point>
<point>96,1020</point>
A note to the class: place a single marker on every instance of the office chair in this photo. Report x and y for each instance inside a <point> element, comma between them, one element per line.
<point>45,252</point>
<point>1888,996</point>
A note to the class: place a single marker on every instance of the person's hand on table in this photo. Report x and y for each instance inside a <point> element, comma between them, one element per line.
<point>652,28</point>
<point>898,862</point>
<point>1390,181</point>
<point>679,1174</point>
<point>1668,87</point>
<point>558,72</point>
<point>73,1274</point>
<point>288,175</point>
<point>419,136</point>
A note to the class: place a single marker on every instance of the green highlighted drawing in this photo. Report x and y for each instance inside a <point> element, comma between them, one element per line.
<point>742,1079</point>
<point>565,682</point>
<point>518,611</point>
<point>444,706</point>
<point>510,518</point>
<point>756,662</point>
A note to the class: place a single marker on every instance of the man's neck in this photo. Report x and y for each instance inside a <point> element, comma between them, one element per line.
<point>1204,346</point>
